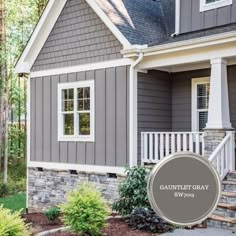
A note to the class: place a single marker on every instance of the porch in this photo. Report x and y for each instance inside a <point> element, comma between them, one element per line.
<point>178,110</point>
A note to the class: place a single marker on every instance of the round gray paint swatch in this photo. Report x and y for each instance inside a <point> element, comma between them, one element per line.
<point>184,189</point>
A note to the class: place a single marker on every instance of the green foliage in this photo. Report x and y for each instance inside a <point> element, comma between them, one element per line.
<point>147,220</point>
<point>11,224</point>
<point>16,178</point>
<point>52,214</point>
<point>3,189</point>
<point>85,211</point>
<point>133,191</point>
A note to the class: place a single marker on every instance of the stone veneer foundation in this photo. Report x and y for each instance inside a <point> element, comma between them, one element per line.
<point>47,187</point>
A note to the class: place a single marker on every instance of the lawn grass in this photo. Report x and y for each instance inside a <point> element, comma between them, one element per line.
<point>15,203</point>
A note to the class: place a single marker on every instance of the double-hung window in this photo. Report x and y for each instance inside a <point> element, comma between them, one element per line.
<point>200,103</point>
<point>76,111</point>
<point>206,5</point>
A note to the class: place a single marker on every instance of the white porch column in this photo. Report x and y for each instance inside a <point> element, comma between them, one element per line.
<point>218,113</point>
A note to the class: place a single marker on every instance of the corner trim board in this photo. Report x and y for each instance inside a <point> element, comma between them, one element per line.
<point>79,68</point>
<point>78,167</point>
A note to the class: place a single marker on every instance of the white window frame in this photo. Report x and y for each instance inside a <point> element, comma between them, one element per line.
<point>76,137</point>
<point>213,5</point>
<point>195,118</point>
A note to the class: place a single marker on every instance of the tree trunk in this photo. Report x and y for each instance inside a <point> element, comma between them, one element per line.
<point>2,71</point>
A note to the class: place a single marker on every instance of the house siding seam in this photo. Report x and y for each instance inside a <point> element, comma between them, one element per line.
<point>78,37</point>
<point>154,103</point>
<point>111,120</point>
<point>193,20</point>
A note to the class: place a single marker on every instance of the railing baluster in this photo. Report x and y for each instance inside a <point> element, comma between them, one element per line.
<point>222,171</point>
<point>184,142</point>
<point>151,147</point>
<point>156,147</point>
<point>161,146</point>
<point>191,142</point>
<point>178,142</point>
<point>167,144</point>
<point>197,144</point>
<point>172,143</point>
<point>145,147</point>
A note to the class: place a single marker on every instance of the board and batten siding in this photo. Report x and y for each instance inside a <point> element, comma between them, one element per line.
<point>78,37</point>
<point>111,120</point>
<point>191,19</point>
<point>154,103</point>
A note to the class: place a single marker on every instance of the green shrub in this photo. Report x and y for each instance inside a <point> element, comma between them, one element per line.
<point>52,213</point>
<point>3,190</point>
<point>85,211</point>
<point>11,224</point>
<point>132,192</point>
<point>147,220</point>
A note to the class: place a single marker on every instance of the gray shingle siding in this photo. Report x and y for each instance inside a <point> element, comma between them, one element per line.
<point>181,98</point>
<point>154,103</point>
<point>78,37</point>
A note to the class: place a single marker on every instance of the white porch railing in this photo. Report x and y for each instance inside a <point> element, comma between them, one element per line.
<point>156,146</point>
<point>223,156</point>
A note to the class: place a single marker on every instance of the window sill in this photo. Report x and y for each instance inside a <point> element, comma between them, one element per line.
<point>214,5</point>
<point>76,139</point>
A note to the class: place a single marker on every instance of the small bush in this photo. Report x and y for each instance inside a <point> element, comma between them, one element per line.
<point>52,214</point>
<point>147,220</point>
<point>11,224</point>
<point>85,211</point>
<point>3,190</point>
<point>132,192</point>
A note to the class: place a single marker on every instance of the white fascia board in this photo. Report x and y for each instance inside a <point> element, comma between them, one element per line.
<point>183,45</point>
<point>107,21</point>
<point>85,67</point>
<point>39,36</point>
<point>78,167</point>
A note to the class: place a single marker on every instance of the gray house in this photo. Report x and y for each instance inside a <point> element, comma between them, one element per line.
<point>117,83</point>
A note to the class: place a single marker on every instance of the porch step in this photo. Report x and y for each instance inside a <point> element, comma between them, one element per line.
<point>220,218</point>
<point>227,206</point>
<point>229,194</point>
<point>225,214</point>
<point>231,176</point>
<point>229,186</point>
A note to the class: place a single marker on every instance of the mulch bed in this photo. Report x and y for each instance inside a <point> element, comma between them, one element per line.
<point>39,222</point>
<point>115,227</point>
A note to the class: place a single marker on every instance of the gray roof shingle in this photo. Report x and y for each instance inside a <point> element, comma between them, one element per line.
<point>142,21</point>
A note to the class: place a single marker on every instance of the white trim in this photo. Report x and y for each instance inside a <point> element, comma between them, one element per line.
<point>195,82</point>
<point>107,21</point>
<point>40,35</point>
<point>219,112</point>
<point>183,45</point>
<point>45,26</point>
<point>177,18</point>
<point>76,137</point>
<point>85,67</point>
<point>78,167</point>
<point>213,5</point>
<point>28,138</point>
<point>133,112</point>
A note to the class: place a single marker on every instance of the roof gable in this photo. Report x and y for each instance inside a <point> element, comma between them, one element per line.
<point>78,37</point>
<point>46,24</point>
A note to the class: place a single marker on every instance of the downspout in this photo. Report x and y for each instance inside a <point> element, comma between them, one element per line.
<point>133,103</point>
<point>177,18</point>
